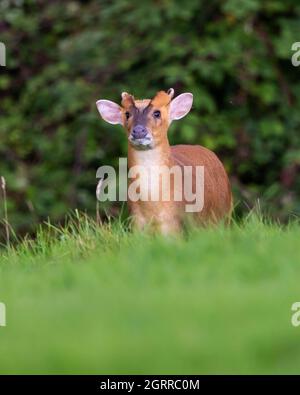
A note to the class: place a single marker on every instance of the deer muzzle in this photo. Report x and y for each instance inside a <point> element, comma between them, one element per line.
<point>141,138</point>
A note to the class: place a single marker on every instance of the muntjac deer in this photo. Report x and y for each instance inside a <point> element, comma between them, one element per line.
<point>147,122</point>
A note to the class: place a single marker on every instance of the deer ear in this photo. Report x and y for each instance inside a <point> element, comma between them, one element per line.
<point>181,106</point>
<point>111,112</point>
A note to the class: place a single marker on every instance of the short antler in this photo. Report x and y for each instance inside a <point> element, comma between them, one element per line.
<point>127,99</point>
<point>171,92</point>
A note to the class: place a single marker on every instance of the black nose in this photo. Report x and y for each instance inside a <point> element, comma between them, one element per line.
<point>139,132</point>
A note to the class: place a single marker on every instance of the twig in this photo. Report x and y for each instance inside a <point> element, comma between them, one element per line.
<point>98,194</point>
<point>6,225</point>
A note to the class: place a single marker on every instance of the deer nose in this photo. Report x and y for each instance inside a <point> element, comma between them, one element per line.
<point>139,132</point>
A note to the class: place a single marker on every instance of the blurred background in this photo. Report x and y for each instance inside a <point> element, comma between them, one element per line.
<point>234,56</point>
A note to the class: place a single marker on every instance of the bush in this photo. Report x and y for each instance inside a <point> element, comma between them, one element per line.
<point>235,57</point>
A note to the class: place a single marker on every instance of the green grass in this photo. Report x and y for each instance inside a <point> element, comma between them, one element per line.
<point>104,300</point>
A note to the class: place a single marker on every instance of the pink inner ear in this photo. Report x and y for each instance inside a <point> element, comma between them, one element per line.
<point>181,106</point>
<point>110,111</point>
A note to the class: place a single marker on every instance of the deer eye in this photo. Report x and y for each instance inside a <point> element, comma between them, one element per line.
<point>127,115</point>
<point>156,114</point>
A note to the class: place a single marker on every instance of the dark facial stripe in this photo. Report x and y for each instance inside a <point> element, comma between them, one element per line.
<point>140,116</point>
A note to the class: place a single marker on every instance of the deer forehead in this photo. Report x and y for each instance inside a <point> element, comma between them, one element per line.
<point>142,104</point>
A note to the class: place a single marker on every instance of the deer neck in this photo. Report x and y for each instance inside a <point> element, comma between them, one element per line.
<point>157,156</point>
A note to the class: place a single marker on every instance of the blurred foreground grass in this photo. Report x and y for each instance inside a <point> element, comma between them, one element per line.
<point>86,299</point>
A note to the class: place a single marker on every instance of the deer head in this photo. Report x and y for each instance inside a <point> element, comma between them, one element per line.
<point>146,121</point>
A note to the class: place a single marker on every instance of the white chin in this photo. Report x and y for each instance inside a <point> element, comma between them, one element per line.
<point>142,144</point>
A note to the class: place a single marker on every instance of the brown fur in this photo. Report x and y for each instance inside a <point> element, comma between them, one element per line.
<point>160,99</point>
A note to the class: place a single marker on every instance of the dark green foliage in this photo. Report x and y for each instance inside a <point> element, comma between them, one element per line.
<point>234,56</point>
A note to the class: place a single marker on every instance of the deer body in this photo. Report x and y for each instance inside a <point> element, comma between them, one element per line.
<point>147,122</point>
